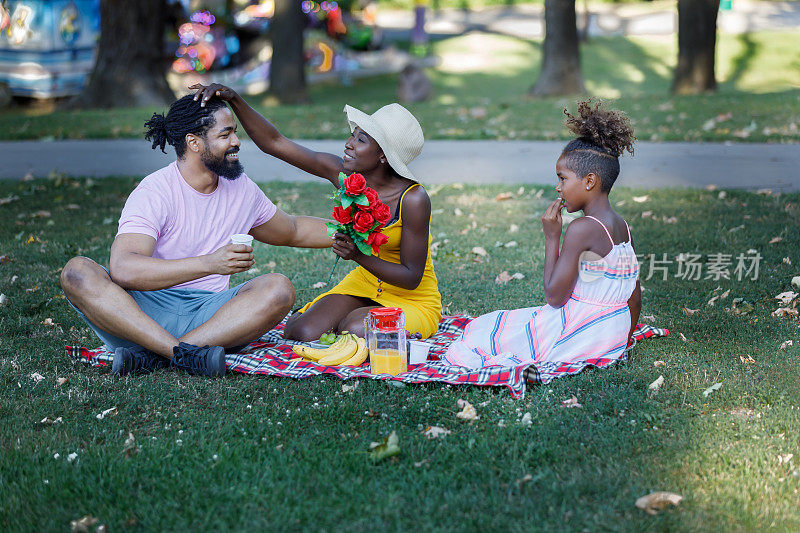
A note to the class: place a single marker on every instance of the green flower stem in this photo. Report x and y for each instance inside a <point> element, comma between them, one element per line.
<point>334,268</point>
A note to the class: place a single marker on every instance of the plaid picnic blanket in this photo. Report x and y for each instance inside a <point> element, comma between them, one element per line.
<point>271,355</point>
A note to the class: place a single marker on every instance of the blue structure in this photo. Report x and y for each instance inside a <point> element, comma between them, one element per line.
<point>47,47</point>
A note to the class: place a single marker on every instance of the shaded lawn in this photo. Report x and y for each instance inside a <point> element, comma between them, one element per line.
<point>247,452</point>
<point>482,80</point>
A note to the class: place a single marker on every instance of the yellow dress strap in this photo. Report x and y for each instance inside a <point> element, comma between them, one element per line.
<point>400,204</point>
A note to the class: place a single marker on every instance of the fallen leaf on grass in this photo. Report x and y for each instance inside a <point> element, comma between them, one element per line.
<point>740,307</point>
<point>683,337</point>
<point>82,525</point>
<point>422,463</point>
<point>712,388</point>
<point>785,298</point>
<point>350,388</point>
<point>71,458</point>
<point>47,421</point>
<point>503,196</point>
<point>3,299</point>
<point>479,251</point>
<point>513,228</point>
<point>571,402</point>
<point>640,199</point>
<point>654,386</point>
<point>504,277</point>
<point>785,345</point>
<point>775,239</point>
<point>467,412</point>
<point>389,447</point>
<point>37,377</point>
<point>648,317</point>
<point>105,413</point>
<point>48,322</point>
<point>658,501</point>
<point>41,214</point>
<point>689,312</point>
<point>526,420</point>
<point>784,458</point>
<point>130,448</point>
<point>746,360</point>
<point>62,381</point>
<point>524,479</point>
<point>318,285</point>
<point>787,261</point>
<point>659,363</point>
<point>433,432</point>
<point>785,311</point>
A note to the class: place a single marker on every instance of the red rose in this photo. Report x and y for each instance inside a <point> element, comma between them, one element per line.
<point>376,240</point>
<point>372,198</point>
<point>343,216</point>
<point>382,213</point>
<point>363,221</point>
<point>355,184</point>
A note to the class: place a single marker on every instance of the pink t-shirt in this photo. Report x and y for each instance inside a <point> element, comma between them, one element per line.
<point>187,223</point>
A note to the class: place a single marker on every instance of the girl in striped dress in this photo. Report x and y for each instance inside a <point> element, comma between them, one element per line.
<point>591,284</point>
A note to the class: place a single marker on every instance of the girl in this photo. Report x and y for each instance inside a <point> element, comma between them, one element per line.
<point>591,286</point>
<point>380,147</point>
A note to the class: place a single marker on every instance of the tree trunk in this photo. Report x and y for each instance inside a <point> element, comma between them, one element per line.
<point>561,64</point>
<point>131,67</point>
<point>697,41</point>
<point>287,78</point>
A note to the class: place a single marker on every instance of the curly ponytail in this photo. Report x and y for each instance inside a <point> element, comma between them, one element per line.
<point>602,136</point>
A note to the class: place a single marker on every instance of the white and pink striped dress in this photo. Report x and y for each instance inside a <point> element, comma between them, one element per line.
<point>590,329</point>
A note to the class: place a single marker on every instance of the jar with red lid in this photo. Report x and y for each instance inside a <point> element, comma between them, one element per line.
<point>386,340</point>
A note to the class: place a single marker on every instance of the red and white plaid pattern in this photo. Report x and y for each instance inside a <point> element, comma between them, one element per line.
<point>271,356</point>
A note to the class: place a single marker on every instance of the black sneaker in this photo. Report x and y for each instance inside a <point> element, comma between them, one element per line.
<point>199,361</point>
<point>136,361</point>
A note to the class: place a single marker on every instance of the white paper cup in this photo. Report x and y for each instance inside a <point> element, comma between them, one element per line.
<point>242,238</point>
<point>418,352</point>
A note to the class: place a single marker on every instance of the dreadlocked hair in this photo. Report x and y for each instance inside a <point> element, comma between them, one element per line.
<point>185,116</point>
<point>602,136</point>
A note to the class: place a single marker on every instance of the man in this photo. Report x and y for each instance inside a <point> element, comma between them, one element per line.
<point>165,301</point>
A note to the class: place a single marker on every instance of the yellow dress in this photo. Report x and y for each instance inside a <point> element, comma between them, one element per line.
<point>422,306</point>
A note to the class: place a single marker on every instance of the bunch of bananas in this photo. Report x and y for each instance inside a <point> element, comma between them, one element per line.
<point>348,350</point>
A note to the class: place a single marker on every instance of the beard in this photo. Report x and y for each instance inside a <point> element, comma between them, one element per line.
<point>230,170</point>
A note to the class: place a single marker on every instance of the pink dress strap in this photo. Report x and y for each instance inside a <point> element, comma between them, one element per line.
<point>604,228</point>
<point>629,230</point>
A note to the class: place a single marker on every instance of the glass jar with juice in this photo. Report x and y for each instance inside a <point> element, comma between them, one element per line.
<point>386,340</point>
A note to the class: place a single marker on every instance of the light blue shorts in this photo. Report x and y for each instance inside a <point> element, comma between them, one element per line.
<point>178,311</point>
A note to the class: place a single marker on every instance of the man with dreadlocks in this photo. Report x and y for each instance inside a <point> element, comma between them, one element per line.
<point>165,300</point>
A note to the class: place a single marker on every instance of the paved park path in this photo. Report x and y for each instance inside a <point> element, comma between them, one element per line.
<point>656,165</point>
<point>526,21</point>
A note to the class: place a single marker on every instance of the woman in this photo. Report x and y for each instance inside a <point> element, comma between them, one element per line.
<point>380,147</point>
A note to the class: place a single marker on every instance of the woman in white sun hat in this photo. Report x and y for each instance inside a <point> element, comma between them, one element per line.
<point>380,147</point>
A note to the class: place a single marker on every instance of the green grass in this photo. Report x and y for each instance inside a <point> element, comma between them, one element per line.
<point>249,453</point>
<point>480,89</point>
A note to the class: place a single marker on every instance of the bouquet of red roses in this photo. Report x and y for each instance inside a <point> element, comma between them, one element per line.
<point>359,213</point>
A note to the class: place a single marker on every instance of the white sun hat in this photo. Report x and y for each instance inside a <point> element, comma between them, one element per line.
<point>396,131</point>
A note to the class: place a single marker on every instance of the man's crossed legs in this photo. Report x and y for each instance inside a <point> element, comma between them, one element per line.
<point>237,317</point>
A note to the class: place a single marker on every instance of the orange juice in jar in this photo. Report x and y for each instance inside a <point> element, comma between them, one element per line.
<point>386,340</point>
<point>387,361</point>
